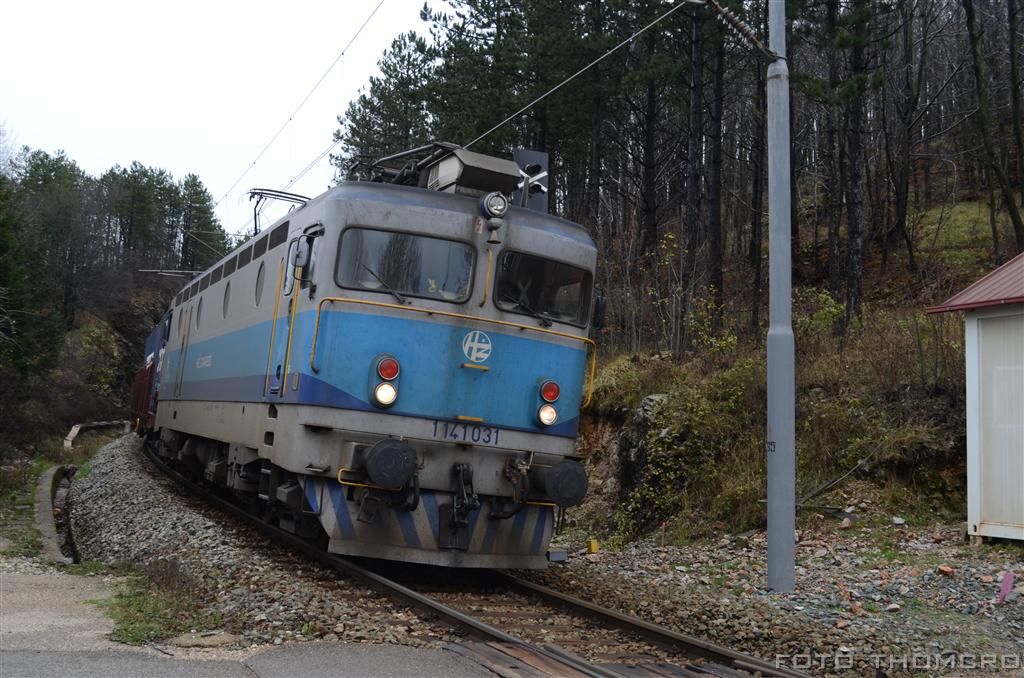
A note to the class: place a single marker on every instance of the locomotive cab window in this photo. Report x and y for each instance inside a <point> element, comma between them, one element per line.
<point>405,264</point>
<point>313,243</point>
<point>301,259</point>
<point>546,289</point>
<point>289,273</point>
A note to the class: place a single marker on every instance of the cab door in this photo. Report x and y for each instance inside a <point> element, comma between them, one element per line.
<point>185,328</point>
<point>294,274</point>
<point>282,327</point>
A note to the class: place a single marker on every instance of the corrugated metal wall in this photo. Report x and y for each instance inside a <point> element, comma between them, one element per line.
<point>1001,419</point>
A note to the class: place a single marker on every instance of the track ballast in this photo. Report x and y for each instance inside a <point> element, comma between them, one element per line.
<point>519,628</point>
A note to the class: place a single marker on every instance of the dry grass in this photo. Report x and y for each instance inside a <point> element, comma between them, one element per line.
<point>20,469</point>
<point>157,601</point>
<point>889,391</point>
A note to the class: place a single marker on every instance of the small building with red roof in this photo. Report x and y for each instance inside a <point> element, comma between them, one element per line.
<point>994,348</point>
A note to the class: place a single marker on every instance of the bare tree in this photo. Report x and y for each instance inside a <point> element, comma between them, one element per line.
<point>986,123</point>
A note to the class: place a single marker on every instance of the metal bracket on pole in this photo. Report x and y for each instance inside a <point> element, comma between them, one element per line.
<point>740,28</point>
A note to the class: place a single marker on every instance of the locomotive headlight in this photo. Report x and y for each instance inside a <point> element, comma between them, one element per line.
<point>385,394</point>
<point>494,205</point>
<point>547,415</point>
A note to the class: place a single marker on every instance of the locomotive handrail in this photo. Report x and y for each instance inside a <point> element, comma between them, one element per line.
<point>487,278</point>
<point>591,345</point>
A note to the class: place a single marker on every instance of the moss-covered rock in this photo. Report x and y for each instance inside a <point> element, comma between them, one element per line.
<point>688,456</point>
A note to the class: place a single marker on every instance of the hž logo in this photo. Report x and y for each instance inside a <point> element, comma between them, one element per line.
<point>476,346</point>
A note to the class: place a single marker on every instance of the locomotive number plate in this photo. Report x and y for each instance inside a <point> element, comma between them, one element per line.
<point>461,432</point>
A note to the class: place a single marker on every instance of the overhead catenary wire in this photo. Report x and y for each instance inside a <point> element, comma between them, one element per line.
<point>305,170</point>
<point>727,16</point>
<point>583,70</point>
<point>301,104</point>
<point>192,234</point>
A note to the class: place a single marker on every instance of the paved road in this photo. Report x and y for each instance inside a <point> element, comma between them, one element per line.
<point>49,627</point>
<point>311,660</point>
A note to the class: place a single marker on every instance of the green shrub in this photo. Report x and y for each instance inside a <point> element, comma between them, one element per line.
<point>889,392</point>
<point>702,425</point>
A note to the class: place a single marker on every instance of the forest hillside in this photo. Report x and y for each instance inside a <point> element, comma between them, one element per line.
<point>84,276</point>
<point>907,165</point>
<point>907,158</point>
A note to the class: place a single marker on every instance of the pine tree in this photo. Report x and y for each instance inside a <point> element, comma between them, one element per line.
<point>203,241</point>
<point>391,115</point>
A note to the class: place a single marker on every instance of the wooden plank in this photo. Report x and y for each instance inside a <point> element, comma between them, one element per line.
<point>549,666</point>
<point>536,629</point>
<point>674,670</point>
<point>573,642</point>
<point>495,661</point>
<point>624,658</point>
<point>631,670</point>
<point>510,613</point>
<point>710,668</point>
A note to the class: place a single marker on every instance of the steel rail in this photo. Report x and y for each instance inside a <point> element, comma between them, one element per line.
<point>693,647</point>
<point>377,581</point>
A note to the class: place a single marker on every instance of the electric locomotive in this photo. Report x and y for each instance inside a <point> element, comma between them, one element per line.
<point>396,367</point>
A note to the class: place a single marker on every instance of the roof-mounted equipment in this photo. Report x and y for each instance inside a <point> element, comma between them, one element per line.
<point>470,173</point>
<point>441,166</point>
<point>263,194</point>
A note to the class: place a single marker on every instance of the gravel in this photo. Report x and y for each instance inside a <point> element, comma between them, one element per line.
<point>124,511</point>
<point>26,565</point>
<point>866,599</point>
<point>895,598</point>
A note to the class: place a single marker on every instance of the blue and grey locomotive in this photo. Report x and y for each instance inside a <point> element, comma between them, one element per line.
<point>397,369</point>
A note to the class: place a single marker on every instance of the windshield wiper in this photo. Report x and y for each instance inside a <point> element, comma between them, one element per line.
<point>386,287</point>
<point>529,311</point>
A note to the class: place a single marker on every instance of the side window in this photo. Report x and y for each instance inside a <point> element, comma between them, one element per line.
<point>258,291</point>
<point>289,270</point>
<point>307,273</point>
<point>227,299</point>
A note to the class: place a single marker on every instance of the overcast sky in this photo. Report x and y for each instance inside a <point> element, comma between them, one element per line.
<point>191,86</point>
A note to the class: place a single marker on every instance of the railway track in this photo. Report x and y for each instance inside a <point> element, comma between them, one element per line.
<point>519,628</point>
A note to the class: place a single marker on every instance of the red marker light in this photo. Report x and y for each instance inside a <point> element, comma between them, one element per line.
<point>549,391</point>
<point>387,368</point>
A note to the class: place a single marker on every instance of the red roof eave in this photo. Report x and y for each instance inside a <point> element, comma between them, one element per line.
<point>1004,285</point>
<point>979,304</point>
